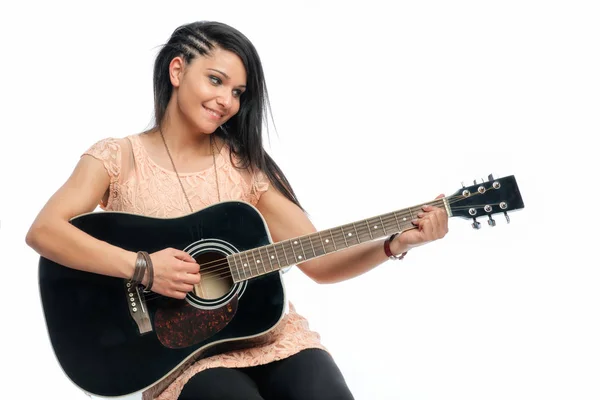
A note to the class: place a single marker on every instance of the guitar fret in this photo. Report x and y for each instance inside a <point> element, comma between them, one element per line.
<point>356,234</point>
<point>292,246</point>
<point>397,222</point>
<point>323,244</point>
<point>261,259</point>
<point>389,229</point>
<point>255,264</point>
<point>382,225</point>
<point>277,256</point>
<point>305,247</point>
<point>361,233</point>
<point>311,245</point>
<point>369,229</point>
<point>287,262</point>
<point>241,263</point>
<point>332,239</point>
<point>231,269</point>
<point>247,264</point>
<point>344,236</point>
<point>237,258</point>
<point>301,248</point>
<point>270,257</point>
<point>352,235</point>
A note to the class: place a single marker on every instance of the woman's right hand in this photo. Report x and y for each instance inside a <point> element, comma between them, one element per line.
<point>175,273</point>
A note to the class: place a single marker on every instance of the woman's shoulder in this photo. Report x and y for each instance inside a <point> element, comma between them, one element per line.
<point>109,150</point>
<point>112,143</point>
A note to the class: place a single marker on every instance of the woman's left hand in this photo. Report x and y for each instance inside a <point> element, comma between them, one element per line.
<point>431,224</point>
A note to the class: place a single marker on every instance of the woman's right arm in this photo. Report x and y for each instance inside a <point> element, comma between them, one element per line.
<point>52,236</point>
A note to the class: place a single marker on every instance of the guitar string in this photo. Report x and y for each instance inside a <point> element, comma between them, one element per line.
<point>306,240</point>
<point>387,216</point>
<point>217,267</point>
<point>449,199</point>
<point>401,214</point>
<point>225,271</point>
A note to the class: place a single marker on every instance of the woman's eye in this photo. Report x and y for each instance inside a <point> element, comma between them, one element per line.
<point>237,93</point>
<point>215,80</point>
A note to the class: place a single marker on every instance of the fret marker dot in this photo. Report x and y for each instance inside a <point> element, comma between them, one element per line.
<point>272,257</point>
<point>350,234</point>
<point>404,219</point>
<point>245,265</point>
<point>375,227</point>
<point>326,240</point>
<point>258,261</point>
<point>299,257</point>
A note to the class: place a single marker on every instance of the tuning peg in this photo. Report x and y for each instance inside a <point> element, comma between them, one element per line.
<point>475,224</point>
<point>462,184</point>
<point>507,217</point>
<point>491,221</point>
<point>490,177</point>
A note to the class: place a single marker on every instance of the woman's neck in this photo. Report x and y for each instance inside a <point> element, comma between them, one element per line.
<point>181,137</point>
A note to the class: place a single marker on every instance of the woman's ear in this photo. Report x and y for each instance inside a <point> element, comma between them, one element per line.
<point>176,67</point>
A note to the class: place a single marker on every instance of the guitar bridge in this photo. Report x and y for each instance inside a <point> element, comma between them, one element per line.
<point>137,307</point>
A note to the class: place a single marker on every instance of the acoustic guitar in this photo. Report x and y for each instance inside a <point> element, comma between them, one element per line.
<point>112,339</point>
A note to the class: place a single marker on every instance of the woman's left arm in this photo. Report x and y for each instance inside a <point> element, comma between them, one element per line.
<point>285,220</point>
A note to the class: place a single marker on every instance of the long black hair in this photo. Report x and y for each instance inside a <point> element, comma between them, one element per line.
<point>243,131</point>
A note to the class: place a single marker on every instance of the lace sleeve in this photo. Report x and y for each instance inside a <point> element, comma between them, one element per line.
<point>108,151</point>
<point>260,184</point>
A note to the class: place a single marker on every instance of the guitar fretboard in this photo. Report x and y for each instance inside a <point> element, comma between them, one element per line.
<point>263,260</point>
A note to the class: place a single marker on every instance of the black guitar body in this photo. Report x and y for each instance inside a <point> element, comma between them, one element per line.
<point>90,317</point>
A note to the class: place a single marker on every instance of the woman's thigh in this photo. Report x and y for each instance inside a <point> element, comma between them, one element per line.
<point>308,375</point>
<point>218,384</point>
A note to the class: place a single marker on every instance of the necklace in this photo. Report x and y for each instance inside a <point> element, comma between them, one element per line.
<point>212,149</point>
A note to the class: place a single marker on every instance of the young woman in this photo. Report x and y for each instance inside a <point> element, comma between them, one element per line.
<point>206,146</point>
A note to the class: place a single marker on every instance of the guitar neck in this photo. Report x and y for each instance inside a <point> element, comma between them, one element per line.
<point>265,259</point>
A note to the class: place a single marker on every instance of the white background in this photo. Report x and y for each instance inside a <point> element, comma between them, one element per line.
<point>377,108</point>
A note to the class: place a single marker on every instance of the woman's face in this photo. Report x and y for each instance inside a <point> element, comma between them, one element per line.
<point>209,88</point>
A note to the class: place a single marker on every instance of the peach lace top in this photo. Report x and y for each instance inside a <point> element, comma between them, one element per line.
<point>138,185</point>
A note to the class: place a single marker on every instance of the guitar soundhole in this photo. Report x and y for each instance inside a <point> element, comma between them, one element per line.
<point>215,276</point>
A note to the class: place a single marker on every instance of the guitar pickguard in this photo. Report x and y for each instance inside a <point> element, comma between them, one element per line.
<point>185,325</point>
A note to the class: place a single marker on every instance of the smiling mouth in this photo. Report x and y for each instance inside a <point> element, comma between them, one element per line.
<point>213,112</point>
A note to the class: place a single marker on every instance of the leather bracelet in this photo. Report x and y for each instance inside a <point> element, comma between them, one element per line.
<point>140,269</point>
<point>150,269</point>
<point>388,252</point>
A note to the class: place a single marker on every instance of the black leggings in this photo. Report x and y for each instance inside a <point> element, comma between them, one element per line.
<point>310,374</point>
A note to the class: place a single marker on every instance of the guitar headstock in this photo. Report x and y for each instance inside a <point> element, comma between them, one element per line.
<point>486,199</point>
